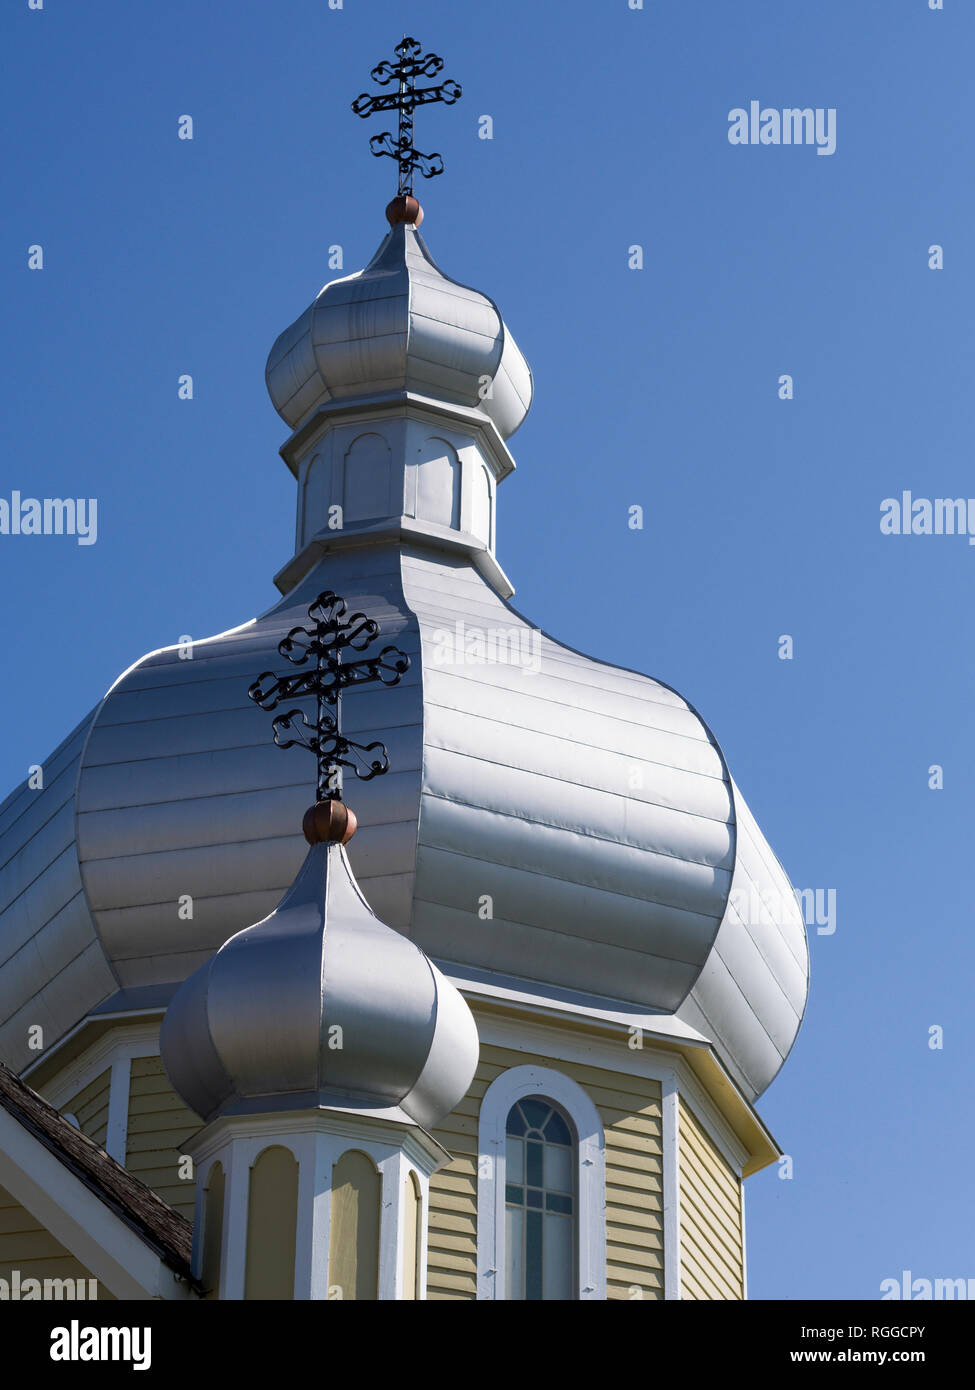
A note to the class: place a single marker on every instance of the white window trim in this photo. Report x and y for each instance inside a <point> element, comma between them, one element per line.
<point>508,1088</point>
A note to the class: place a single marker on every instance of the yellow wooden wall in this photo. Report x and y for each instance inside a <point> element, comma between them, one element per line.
<point>90,1107</point>
<point>159,1125</point>
<point>712,1248</point>
<point>27,1246</point>
<point>629,1107</point>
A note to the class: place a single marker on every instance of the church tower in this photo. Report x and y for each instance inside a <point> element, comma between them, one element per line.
<point>562,959</point>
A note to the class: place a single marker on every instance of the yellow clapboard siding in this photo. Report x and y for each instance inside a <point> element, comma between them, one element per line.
<point>620,1278</point>
<point>632,1129</point>
<point>700,1141</point>
<point>620,1283</point>
<point>632,1235</point>
<point>451,1286</point>
<point>724,1205</point>
<point>713,1182</point>
<point>708,1219</point>
<point>14,1219</point>
<point>712,1256</point>
<point>703,1257</point>
<point>168,1137</point>
<point>628,1161</point>
<point>721,1265</point>
<point>699,1257</point>
<point>711,1167</point>
<point>29,1244</point>
<point>27,1247</point>
<point>459,1223</point>
<point>90,1108</point>
<point>631,1255</point>
<point>457,1244</point>
<point>707,1285</point>
<point>159,1125</point>
<point>457,1190</point>
<point>449,1260</point>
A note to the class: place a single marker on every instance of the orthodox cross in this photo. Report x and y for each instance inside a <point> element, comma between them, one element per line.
<point>405,100</point>
<point>334,631</point>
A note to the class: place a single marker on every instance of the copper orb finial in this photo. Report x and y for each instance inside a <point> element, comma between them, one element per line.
<point>404,208</point>
<point>329,822</point>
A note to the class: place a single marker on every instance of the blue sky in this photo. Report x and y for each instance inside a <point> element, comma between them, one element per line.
<point>656,387</point>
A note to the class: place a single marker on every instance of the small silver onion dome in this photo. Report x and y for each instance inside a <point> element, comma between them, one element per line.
<point>320,1004</point>
<point>400,325</point>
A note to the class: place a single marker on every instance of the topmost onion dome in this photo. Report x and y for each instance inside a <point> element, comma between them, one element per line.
<point>400,325</point>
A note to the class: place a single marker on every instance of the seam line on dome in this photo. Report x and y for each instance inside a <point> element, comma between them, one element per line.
<point>599,839</point>
<point>585,940</point>
<point>585,747</point>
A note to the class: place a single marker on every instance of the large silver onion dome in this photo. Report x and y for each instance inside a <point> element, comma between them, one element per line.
<point>400,324</point>
<point>320,1004</point>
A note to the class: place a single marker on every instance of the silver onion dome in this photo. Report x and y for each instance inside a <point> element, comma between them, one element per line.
<point>400,324</point>
<point>320,1004</point>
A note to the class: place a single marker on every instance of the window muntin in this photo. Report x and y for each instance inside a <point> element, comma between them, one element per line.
<point>540,1201</point>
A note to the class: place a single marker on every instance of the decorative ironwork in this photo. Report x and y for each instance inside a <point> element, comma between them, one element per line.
<point>335,631</point>
<point>405,100</point>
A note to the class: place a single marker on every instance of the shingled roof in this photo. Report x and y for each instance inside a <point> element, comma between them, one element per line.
<point>163,1229</point>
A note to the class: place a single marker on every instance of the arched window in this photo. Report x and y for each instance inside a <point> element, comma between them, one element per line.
<point>540,1201</point>
<point>541,1154</point>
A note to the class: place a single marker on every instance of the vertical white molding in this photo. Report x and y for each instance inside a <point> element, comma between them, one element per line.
<point>233,1259</point>
<point>670,1114</point>
<point>304,1148</point>
<point>744,1246</point>
<point>117,1134</point>
<point>323,1158</point>
<point>423,1233</point>
<point>199,1216</point>
<point>391,1165</point>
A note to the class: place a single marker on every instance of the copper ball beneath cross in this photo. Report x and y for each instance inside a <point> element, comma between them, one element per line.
<point>329,822</point>
<point>404,208</point>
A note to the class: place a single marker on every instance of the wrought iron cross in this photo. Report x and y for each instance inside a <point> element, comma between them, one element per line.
<point>334,631</point>
<point>405,100</point>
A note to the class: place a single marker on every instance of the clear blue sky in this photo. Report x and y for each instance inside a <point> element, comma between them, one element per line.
<point>656,387</point>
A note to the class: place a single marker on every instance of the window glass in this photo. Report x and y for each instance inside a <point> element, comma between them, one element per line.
<point>540,1201</point>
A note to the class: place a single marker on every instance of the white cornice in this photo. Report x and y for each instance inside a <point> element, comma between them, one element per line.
<point>393,404</point>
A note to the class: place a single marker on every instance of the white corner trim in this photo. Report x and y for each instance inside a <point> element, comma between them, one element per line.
<point>511,1086</point>
<point>670,1117</point>
<point>744,1245</point>
<point>117,1130</point>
